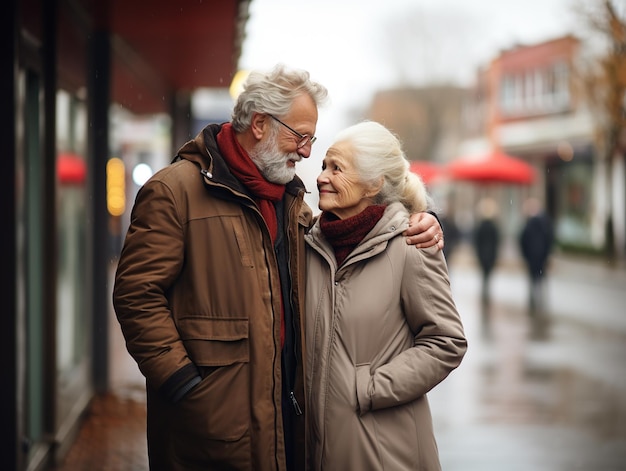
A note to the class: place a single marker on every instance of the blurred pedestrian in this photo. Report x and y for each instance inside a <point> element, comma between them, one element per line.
<point>208,290</point>
<point>486,244</point>
<point>453,234</point>
<point>382,328</point>
<point>536,240</point>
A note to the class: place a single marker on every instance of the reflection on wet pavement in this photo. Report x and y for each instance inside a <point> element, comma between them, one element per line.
<point>533,393</point>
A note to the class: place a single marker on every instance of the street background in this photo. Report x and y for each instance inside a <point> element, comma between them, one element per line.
<point>537,393</point>
<point>532,394</point>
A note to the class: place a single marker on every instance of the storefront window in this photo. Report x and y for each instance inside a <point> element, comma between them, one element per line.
<point>32,260</point>
<point>71,218</point>
<point>575,189</point>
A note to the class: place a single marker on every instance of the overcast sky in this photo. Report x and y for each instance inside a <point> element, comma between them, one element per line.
<point>355,47</point>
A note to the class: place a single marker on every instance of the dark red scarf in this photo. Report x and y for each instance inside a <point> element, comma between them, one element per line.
<point>345,234</point>
<point>264,192</point>
<point>242,166</point>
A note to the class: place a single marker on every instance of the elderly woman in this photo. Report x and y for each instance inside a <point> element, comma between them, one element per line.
<point>382,328</point>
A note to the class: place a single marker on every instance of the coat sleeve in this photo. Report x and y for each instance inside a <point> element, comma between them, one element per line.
<point>439,340</point>
<point>149,264</point>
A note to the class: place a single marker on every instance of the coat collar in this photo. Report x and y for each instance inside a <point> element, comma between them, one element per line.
<point>204,152</point>
<point>393,223</point>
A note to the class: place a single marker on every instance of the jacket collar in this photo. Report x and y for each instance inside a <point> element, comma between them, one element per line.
<point>393,222</point>
<point>204,152</point>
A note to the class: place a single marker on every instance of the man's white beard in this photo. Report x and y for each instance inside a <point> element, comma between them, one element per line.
<point>272,163</point>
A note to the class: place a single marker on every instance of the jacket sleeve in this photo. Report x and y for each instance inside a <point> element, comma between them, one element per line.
<point>439,341</point>
<point>149,264</point>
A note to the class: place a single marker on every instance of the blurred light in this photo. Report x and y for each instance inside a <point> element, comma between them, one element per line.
<point>141,174</point>
<point>236,86</point>
<point>116,187</point>
<point>71,169</point>
<point>565,151</point>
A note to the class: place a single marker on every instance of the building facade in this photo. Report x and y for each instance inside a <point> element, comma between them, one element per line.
<point>528,102</point>
<point>72,68</point>
<point>534,110</point>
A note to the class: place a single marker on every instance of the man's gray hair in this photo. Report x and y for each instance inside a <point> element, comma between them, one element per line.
<point>273,93</point>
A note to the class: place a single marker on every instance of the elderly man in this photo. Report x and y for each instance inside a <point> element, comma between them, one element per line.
<point>209,288</point>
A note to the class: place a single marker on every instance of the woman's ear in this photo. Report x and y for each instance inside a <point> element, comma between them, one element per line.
<point>375,189</point>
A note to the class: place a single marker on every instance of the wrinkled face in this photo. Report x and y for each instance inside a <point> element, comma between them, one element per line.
<point>276,166</point>
<point>341,190</point>
<point>277,152</point>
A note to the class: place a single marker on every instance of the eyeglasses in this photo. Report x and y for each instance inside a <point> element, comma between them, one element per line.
<point>304,139</point>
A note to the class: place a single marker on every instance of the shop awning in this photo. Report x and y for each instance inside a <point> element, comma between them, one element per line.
<point>494,167</point>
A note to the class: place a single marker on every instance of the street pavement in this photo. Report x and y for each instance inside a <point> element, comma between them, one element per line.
<point>544,392</point>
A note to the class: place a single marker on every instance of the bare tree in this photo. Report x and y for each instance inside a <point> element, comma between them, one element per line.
<point>421,50</point>
<point>427,119</point>
<point>604,86</point>
<point>427,63</point>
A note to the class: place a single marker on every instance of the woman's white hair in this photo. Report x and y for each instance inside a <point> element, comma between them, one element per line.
<point>378,155</point>
<point>274,92</point>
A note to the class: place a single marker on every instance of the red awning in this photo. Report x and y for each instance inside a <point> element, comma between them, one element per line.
<point>428,171</point>
<point>495,167</point>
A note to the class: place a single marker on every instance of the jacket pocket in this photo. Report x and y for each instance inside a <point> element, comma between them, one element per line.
<point>215,415</point>
<point>210,426</point>
<point>214,341</point>
<point>363,379</point>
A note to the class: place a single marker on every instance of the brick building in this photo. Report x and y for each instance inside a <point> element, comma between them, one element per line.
<point>528,104</point>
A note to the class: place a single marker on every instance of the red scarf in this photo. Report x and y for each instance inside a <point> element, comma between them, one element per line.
<point>242,166</point>
<point>264,192</point>
<point>345,234</point>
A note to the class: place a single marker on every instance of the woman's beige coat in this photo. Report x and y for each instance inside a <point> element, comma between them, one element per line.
<point>381,330</point>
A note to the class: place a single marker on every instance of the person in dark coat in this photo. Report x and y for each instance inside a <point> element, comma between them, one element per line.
<point>450,227</point>
<point>486,242</point>
<point>453,235</point>
<point>536,240</point>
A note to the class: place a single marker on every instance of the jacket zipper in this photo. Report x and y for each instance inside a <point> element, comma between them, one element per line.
<point>294,402</point>
<point>209,176</point>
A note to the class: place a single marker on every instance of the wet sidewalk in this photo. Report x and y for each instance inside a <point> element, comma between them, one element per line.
<point>516,402</point>
<point>544,392</point>
<point>113,435</point>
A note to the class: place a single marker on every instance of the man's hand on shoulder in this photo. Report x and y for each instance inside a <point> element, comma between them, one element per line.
<point>424,231</point>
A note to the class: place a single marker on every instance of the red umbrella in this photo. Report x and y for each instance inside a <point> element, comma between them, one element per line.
<point>428,171</point>
<point>495,167</point>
